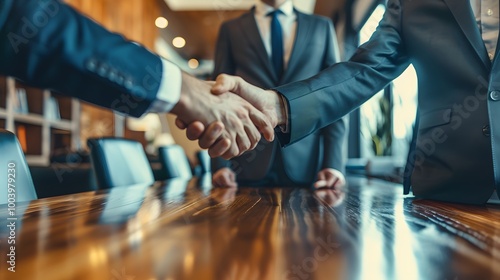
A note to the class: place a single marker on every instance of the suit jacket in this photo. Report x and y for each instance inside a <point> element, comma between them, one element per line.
<point>240,51</point>
<point>49,45</point>
<point>454,154</point>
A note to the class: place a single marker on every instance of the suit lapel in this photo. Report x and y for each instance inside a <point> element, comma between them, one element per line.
<point>301,38</point>
<point>254,38</point>
<point>466,19</point>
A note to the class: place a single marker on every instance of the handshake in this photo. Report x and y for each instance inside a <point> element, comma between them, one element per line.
<point>229,116</point>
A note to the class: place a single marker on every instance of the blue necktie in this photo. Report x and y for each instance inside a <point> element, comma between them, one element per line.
<point>276,43</point>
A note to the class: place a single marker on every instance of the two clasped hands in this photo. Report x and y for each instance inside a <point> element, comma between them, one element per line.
<point>229,116</point>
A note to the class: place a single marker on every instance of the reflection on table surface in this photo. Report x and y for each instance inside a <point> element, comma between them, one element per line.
<point>178,230</point>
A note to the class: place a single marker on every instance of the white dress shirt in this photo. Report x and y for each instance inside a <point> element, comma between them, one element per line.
<point>169,91</point>
<point>288,21</point>
<point>487,18</point>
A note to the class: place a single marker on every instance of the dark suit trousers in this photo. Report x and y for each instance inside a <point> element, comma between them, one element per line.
<point>275,177</point>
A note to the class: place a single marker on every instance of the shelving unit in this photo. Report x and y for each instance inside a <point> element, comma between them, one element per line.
<point>3,101</point>
<point>44,122</point>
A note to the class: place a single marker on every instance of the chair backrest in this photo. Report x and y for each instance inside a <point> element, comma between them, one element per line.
<point>14,168</point>
<point>174,162</point>
<point>119,162</point>
<point>204,160</point>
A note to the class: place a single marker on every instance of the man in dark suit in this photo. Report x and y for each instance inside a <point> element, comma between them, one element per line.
<point>271,45</point>
<point>47,44</point>
<point>453,47</point>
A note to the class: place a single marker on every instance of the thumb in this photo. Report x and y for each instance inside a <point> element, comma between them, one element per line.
<point>195,130</point>
<point>321,181</point>
<point>225,83</point>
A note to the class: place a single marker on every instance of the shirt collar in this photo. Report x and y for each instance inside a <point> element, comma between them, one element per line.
<point>262,9</point>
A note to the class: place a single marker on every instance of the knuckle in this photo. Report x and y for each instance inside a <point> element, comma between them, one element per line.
<point>245,147</point>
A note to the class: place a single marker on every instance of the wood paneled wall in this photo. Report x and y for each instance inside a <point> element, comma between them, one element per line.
<point>135,19</point>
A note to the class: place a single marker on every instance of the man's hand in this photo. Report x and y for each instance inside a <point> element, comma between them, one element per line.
<point>224,178</point>
<point>267,101</point>
<point>330,178</point>
<point>232,124</point>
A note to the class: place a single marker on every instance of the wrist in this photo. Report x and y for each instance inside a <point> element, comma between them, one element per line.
<point>181,106</point>
<point>279,108</point>
<point>184,101</point>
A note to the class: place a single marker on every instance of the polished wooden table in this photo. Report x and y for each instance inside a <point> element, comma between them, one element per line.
<point>181,231</point>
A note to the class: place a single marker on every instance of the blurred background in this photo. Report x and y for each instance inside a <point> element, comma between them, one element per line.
<point>185,31</point>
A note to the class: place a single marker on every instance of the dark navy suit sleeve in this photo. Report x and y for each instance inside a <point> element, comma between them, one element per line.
<point>47,44</point>
<point>341,88</point>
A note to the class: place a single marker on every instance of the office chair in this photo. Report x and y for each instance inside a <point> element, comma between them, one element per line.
<point>204,160</point>
<point>175,163</point>
<point>13,167</point>
<point>119,162</point>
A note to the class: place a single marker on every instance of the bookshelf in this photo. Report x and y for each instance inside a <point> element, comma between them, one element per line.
<point>3,102</point>
<point>44,122</point>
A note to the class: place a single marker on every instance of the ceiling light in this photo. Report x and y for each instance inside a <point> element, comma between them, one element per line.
<point>161,22</point>
<point>178,42</point>
<point>193,63</point>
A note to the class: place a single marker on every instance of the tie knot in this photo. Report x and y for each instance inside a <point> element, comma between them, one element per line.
<point>274,13</point>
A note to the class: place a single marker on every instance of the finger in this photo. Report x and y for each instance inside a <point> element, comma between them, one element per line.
<point>215,182</point>
<point>180,124</point>
<point>321,176</point>
<point>320,184</point>
<point>262,123</point>
<point>195,130</point>
<point>228,182</point>
<point>220,147</point>
<point>339,183</point>
<point>330,180</point>
<point>224,182</point>
<point>211,134</point>
<point>253,135</point>
<point>231,152</point>
<point>232,176</point>
<point>243,142</point>
<point>334,181</point>
<point>215,179</point>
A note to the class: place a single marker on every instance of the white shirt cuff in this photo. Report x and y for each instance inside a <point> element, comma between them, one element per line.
<point>169,91</point>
